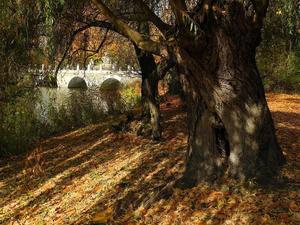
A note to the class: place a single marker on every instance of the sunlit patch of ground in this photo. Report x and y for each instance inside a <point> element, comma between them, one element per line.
<point>93,175</point>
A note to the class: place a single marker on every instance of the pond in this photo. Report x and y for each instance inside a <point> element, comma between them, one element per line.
<point>47,111</point>
<point>78,100</point>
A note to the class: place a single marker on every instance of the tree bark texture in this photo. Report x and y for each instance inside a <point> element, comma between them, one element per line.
<point>230,126</point>
<point>150,91</point>
<point>231,130</point>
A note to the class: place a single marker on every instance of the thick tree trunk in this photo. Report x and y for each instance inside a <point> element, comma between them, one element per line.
<point>150,91</point>
<point>230,125</point>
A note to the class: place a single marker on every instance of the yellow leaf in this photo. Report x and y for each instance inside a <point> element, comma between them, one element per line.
<point>293,206</point>
<point>293,194</point>
<point>216,195</point>
<point>103,217</point>
<point>265,219</point>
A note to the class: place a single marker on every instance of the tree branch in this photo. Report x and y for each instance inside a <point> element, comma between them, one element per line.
<point>97,50</point>
<point>92,50</point>
<point>260,7</point>
<point>72,38</point>
<point>151,16</point>
<point>143,43</point>
<point>179,8</point>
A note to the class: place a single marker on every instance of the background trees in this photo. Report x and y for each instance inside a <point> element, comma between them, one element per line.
<point>19,39</point>
<point>35,32</point>
<point>278,54</point>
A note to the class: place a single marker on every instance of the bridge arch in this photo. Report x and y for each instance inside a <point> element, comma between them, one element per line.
<point>77,82</point>
<point>111,83</point>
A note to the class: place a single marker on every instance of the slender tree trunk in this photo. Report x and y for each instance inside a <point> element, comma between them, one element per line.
<point>150,91</point>
<point>174,85</point>
<point>149,86</point>
<point>231,130</point>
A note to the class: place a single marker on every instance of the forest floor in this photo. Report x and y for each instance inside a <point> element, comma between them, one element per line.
<point>94,176</point>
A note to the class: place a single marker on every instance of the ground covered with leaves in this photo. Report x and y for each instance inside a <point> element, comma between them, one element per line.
<point>95,176</point>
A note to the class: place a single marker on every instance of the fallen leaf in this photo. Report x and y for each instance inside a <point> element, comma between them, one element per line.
<point>103,217</point>
<point>265,219</point>
<point>293,206</point>
<point>293,195</point>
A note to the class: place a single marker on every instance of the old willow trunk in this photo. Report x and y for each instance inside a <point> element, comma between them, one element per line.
<point>150,91</point>
<point>231,130</point>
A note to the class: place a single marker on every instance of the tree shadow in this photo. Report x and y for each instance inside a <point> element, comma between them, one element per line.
<point>62,164</point>
<point>72,156</point>
<point>293,100</point>
<point>69,157</point>
<point>53,151</point>
<point>153,174</point>
<point>162,164</point>
<point>288,134</point>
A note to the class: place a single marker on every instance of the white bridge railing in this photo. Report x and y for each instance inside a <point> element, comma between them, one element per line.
<point>107,68</point>
<point>92,76</point>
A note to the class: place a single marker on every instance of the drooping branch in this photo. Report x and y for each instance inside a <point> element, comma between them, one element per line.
<point>151,16</point>
<point>179,8</point>
<point>69,44</point>
<point>186,23</point>
<point>260,7</point>
<point>97,50</point>
<point>93,51</point>
<point>142,42</point>
<point>98,23</point>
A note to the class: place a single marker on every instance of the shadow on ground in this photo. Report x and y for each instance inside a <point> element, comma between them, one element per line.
<point>92,175</point>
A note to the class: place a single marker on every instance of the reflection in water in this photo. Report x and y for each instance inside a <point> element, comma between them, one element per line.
<point>104,99</point>
<point>47,111</point>
<point>52,97</point>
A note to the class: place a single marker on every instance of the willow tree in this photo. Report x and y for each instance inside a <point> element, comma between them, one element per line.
<point>18,40</point>
<point>213,44</point>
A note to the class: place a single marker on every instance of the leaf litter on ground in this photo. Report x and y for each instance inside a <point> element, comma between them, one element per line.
<point>95,176</point>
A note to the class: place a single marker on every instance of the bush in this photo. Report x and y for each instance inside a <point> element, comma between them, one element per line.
<point>19,126</point>
<point>131,95</point>
<point>280,69</point>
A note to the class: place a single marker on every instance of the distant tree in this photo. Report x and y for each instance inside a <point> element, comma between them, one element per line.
<point>83,21</point>
<point>18,39</point>
<point>278,56</point>
<point>149,85</point>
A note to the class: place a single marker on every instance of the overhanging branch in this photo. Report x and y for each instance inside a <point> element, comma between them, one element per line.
<point>260,7</point>
<point>142,42</point>
<point>151,16</point>
<point>179,8</point>
<point>69,44</point>
<point>92,51</point>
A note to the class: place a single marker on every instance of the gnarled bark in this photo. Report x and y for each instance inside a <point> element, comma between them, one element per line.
<point>225,92</point>
<point>230,126</point>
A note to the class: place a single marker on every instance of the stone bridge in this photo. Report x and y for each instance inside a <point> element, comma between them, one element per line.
<point>87,78</point>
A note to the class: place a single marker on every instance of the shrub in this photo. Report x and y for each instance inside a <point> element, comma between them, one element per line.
<point>280,70</point>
